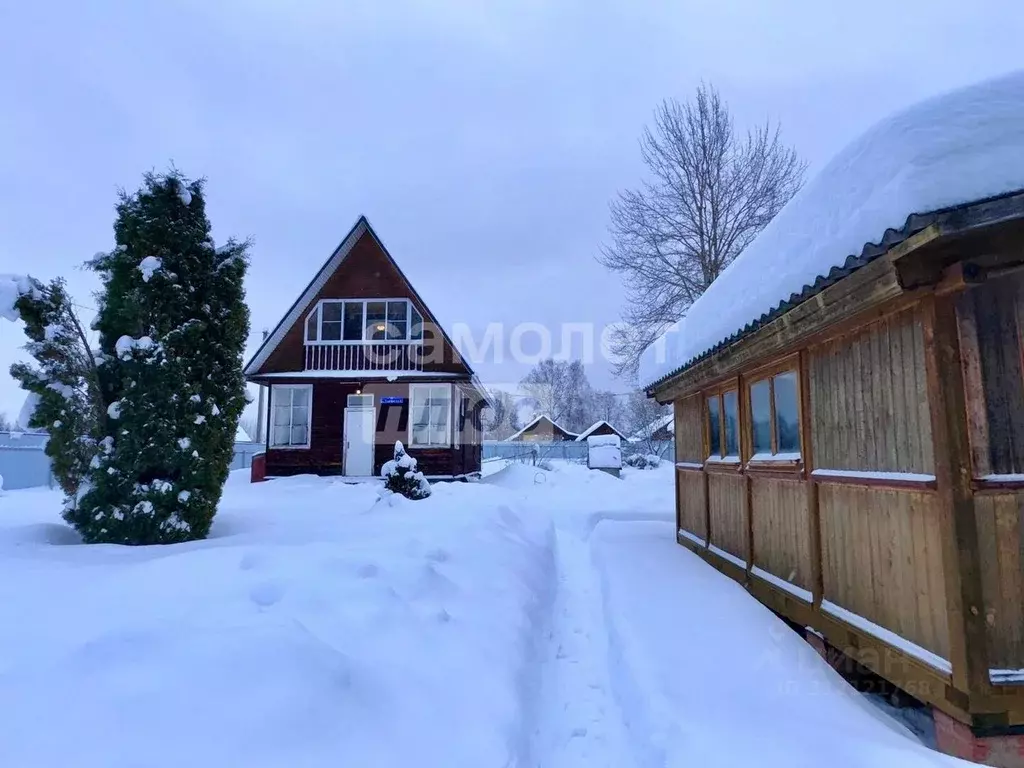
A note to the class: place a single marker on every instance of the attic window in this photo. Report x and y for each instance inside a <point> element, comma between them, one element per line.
<point>360,320</point>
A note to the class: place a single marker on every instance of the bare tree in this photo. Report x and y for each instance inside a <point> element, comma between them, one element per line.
<point>711,191</point>
<point>499,418</point>
<point>561,391</point>
<point>642,417</point>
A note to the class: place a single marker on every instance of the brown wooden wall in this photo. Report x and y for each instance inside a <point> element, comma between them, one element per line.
<point>324,455</point>
<point>781,528</point>
<point>882,559</point>
<point>869,399</point>
<point>691,502</point>
<point>1001,543</point>
<point>727,497</point>
<point>689,429</point>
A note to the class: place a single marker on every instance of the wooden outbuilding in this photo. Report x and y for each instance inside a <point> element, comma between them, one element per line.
<point>598,428</point>
<point>854,453</point>
<point>542,429</point>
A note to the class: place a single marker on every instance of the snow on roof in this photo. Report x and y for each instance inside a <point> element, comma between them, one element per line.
<point>586,433</point>
<point>668,420</point>
<point>241,436</point>
<point>960,147</point>
<point>537,420</point>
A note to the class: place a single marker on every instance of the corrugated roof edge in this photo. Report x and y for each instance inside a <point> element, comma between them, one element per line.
<point>950,217</point>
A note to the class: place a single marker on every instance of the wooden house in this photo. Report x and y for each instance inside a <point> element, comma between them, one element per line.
<point>599,428</point>
<point>542,430</point>
<point>854,453</point>
<point>359,362</point>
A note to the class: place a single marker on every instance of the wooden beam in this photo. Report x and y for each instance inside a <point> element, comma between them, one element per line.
<point>970,358</point>
<point>807,454</point>
<point>947,402</point>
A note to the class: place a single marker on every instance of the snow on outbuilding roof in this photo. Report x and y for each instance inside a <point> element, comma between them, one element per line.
<point>537,420</point>
<point>957,148</point>
<point>589,430</point>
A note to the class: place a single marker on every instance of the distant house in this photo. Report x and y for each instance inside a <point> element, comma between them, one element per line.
<point>599,428</point>
<point>358,363</point>
<point>543,430</point>
<point>659,430</point>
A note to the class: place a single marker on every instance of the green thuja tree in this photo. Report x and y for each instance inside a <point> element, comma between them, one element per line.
<point>172,324</point>
<point>63,382</point>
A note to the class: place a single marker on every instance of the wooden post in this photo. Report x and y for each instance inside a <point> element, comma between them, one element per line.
<point>807,455</point>
<point>947,402</point>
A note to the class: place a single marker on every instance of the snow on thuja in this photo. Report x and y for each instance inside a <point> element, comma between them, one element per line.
<point>172,324</point>
<point>401,476</point>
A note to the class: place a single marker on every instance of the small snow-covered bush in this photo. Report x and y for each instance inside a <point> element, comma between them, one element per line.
<point>642,461</point>
<point>401,476</point>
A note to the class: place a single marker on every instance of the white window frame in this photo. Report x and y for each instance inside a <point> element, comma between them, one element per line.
<point>413,388</point>
<point>274,390</point>
<point>318,308</point>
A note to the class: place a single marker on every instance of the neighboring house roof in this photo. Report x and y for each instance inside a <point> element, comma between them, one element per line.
<point>537,421</point>
<point>296,311</point>
<point>596,425</point>
<point>241,436</point>
<point>918,167</point>
<point>662,422</point>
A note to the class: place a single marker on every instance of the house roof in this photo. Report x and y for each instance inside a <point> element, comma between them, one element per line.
<point>360,228</point>
<point>536,421</point>
<point>918,167</point>
<point>589,430</point>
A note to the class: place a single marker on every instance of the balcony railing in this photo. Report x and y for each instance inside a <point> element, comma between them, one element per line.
<point>365,356</point>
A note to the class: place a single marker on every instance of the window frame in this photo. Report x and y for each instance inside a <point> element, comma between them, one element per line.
<point>769,372</point>
<point>731,460</point>
<point>413,388</point>
<point>275,389</point>
<point>411,311</point>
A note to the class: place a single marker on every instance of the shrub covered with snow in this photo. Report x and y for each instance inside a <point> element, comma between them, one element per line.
<point>172,325</point>
<point>401,476</point>
<point>642,461</point>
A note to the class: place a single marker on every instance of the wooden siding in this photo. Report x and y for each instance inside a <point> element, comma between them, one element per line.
<point>781,528</point>
<point>882,560</point>
<point>691,502</point>
<point>869,401</point>
<point>1001,544</point>
<point>689,429</point>
<point>727,494</point>
<point>366,273</point>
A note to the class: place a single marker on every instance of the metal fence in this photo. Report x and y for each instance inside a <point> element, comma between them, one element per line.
<point>536,452</point>
<point>23,464</point>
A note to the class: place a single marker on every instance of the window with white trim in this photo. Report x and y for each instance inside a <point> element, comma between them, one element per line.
<point>354,320</point>
<point>431,406</point>
<point>292,409</point>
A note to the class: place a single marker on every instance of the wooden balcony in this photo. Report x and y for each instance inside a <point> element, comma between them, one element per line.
<point>404,356</point>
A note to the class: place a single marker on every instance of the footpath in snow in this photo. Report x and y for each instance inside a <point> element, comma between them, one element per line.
<point>537,619</point>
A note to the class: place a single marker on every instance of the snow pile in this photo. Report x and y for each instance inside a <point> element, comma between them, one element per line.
<point>604,452</point>
<point>13,287</point>
<point>126,345</point>
<point>963,146</point>
<point>148,266</point>
<point>304,632</point>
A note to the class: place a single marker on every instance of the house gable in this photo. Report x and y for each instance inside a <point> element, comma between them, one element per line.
<point>360,268</point>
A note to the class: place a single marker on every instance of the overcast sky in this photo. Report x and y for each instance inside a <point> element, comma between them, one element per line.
<point>482,139</point>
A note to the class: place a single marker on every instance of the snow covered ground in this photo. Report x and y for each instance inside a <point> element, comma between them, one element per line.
<point>538,618</point>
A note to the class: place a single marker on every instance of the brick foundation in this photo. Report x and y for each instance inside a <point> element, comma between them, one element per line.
<point>955,738</point>
<point>258,470</point>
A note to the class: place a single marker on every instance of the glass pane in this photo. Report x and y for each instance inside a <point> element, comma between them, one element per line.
<point>732,426</point>
<point>439,415</point>
<point>353,321</point>
<point>715,435</point>
<point>300,396</point>
<point>419,436</point>
<point>761,416</point>
<point>331,330</point>
<point>420,415</point>
<point>438,436</point>
<point>787,412</point>
<point>417,324</point>
<point>298,436</point>
<point>398,311</point>
<point>311,325</point>
<point>397,330</point>
<point>376,320</point>
<point>281,415</point>
<point>300,415</point>
<point>332,311</point>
